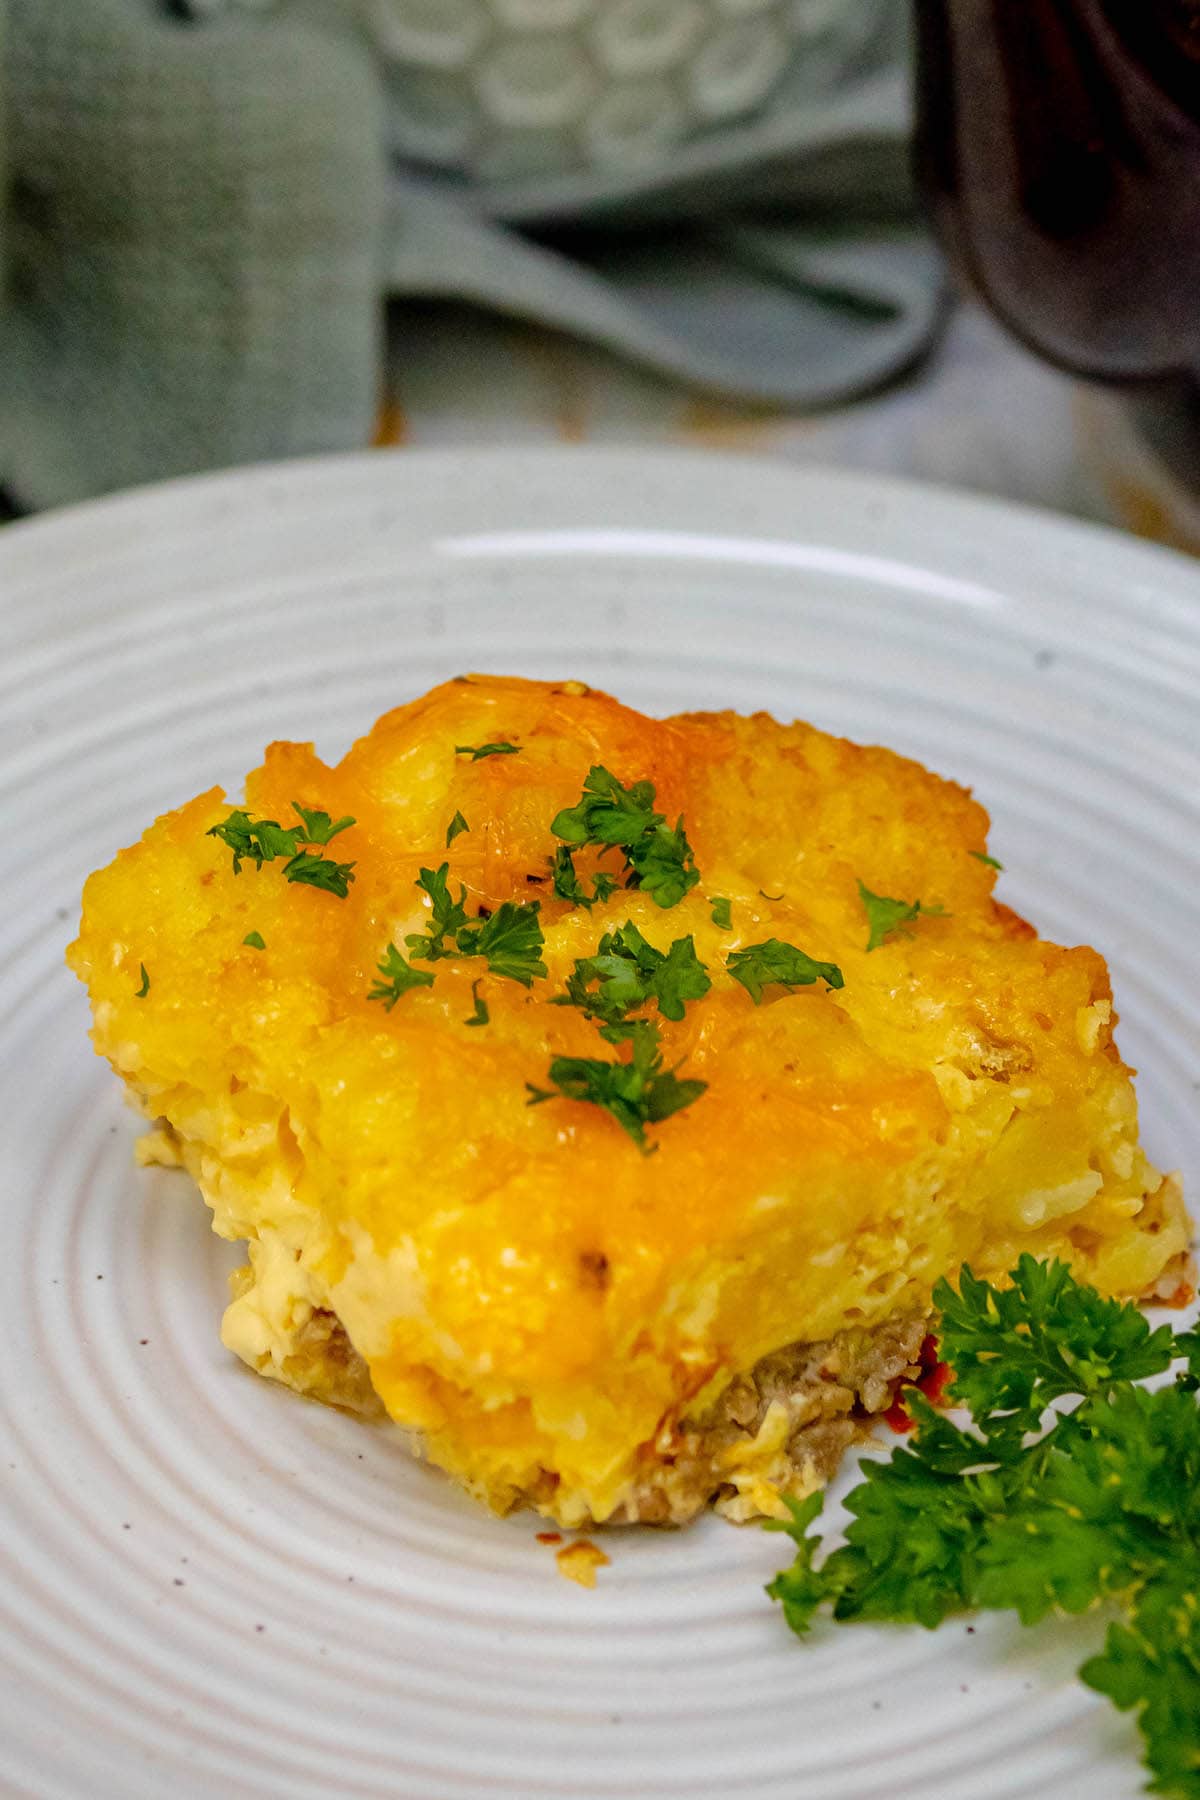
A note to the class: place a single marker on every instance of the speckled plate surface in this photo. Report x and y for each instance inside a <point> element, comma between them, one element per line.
<point>208,1586</point>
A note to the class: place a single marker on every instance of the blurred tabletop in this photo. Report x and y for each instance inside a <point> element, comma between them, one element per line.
<point>980,412</point>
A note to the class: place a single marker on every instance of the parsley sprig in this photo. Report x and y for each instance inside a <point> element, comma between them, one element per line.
<point>568,886</point>
<point>777,964</point>
<point>265,840</point>
<point>1041,1512</point>
<point>611,816</point>
<point>447,917</point>
<point>510,939</point>
<point>320,872</point>
<point>627,972</point>
<point>319,827</point>
<point>396,977</point>
<point>884,916</point>
<point>637,1091</point>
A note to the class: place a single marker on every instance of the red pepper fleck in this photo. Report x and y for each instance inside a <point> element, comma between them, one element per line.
<point>549,1537</point>
<point>897,1417</point>
<point>934,1379</point>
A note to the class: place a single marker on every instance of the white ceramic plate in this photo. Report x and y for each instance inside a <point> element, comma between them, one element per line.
<point>210,1587</point>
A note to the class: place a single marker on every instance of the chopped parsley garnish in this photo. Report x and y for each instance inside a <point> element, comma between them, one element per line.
<point>454,829</point>
<point>1040,1513</point>
<point>776,964</point>
<point>145,987</point>
<point>255,940</point>
<point>608,812</point>
<point>256,840</point>
<point>510,940</point>
<point>476,751</point>
<point>627,972</point>
<point>320,872</point>
<point>885,916</point>
<point>447,917</point>
<point>658,857</point>
<point>481,1015</point>
<point>663,864</point>
<point>568,886</point>
<point>263,840</point>
<point>319,828</point>
<point>396,977</point>
<point>983,857</point>
<point>637,1091</point>
<point>722,911</point>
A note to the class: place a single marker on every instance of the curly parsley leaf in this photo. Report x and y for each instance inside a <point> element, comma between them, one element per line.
<point>396,977</point>
<point>983,857</point>
<point>912,1550</point>
<point>1151,1664</point>
<point>1113,1504</point>
<point>637,1090</point>
<point>609,815</point>
<point>627,972</point>
<point>800,1589</point>
<point>481,1015</point>
<point>319,827</point>
<point>776,964</point>
<point>886,916</point>
<point>455,828</point>
<point>255,940</point>
<point>1014,1350</point>
<point>145,987</point>
<point>1042,1512</point>
<point>1187,1344</point>
<point>722,911</point>
<point>477,751</point>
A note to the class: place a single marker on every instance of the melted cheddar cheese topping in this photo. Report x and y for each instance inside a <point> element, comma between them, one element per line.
<point>525,1290</point>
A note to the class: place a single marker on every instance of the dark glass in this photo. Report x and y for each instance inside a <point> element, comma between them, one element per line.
<point>1059,146</point>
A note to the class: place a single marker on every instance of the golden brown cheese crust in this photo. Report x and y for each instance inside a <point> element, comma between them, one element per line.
<point>529,1293</point>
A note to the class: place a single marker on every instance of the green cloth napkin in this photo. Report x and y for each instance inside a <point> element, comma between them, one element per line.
<point>202,220</point>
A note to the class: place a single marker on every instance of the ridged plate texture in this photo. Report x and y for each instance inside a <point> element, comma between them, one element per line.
<point>209,1587</point>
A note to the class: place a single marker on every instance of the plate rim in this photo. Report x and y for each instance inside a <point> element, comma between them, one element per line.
<point>617,459</point>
